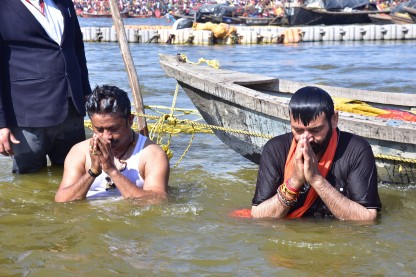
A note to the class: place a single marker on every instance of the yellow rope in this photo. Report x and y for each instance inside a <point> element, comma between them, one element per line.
<point>212,127</point>
<point>211,63</point>
<point>158,128</point>
<point>395,158</point>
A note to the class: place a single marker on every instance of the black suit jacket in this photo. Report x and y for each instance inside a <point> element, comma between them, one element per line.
<point>37,76</point>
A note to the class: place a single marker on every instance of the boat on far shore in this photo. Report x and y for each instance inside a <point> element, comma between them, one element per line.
<point>102,14</point>
<point>400,14</point>
<point>263,21</point>
<point>401,18</point>
<point>136,15</point>
<point>411,12</point>
<point>252,108</point>
<point>317,16</point>
<point>177,16</point>
<point>381,19</point>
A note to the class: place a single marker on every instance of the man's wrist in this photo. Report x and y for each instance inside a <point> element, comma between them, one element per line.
<point>288,200</point>
<point>317,182</point>
<point>112,172</point>
<point>294,183</point>
<point>94,173</point>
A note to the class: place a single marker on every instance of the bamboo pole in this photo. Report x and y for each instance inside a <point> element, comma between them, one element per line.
<point>131,69</point>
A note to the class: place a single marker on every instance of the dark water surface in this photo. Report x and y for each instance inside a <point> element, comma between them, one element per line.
<point>192,235</point>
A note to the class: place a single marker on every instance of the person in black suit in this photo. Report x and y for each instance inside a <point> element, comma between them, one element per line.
<point>43,82</point>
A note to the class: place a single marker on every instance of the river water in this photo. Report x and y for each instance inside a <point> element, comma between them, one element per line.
<point>192,234</point>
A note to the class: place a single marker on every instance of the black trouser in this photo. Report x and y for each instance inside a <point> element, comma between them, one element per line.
<point>54,142</point>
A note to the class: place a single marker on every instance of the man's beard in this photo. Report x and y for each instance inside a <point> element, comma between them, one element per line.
<point>321,147</point>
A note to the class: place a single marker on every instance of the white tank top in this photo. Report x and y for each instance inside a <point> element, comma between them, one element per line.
<point>99,186</point>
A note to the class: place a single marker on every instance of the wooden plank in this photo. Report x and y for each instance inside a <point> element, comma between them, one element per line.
<point>286,86</point>
<point>131,69</point>
<point>378,97</point>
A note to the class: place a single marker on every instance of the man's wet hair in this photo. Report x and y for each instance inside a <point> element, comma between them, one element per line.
<point>108,99</point>
<point>310,102</point>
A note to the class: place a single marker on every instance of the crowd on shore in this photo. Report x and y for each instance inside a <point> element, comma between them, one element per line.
<point>140,7</point>
<point>149,7</point>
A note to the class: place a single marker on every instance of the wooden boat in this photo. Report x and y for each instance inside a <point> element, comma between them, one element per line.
<point>135,15</point>
<point>392,18</point>
<point>101,14</point>
<point>219,13</point>
<point>314,16</point>
<point>177,16</point>
<point>401,18</point>
<point>225,19</point>
<point>257,106</point>
<point>246,20</point>
<point>411,12</point>
<point>262,21</point>
<point>381,19</point>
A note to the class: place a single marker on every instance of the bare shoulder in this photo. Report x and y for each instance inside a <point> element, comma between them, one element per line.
<point>154,168</point>
<point>79,150</point>
<point>152,151</point>
<point>154,165</point>
<point>82,146</point>
<point>75,163</point>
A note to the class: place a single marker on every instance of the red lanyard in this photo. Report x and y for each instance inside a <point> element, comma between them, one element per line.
<point>41,5</point>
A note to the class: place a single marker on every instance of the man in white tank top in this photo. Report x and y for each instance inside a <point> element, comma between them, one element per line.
<point>116,160</point>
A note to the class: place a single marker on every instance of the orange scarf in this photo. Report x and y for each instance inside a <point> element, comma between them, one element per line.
<point>323,167</point>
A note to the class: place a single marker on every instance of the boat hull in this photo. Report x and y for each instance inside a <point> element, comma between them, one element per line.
<point>101,15</point>
<point>411,12</point>
<point>311,16</point>
<point>381,19</point>
<point>401,18</point>
<point>218,112</point>
<point>262,21</point>
<point>225,19</point>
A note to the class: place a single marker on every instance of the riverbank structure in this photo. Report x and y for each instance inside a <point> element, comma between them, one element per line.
<point>253,34</point>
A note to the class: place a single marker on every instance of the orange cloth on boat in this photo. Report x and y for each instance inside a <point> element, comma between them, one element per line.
<point>362,108</point>
<point>323,167</point>
<point>399,115</point>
